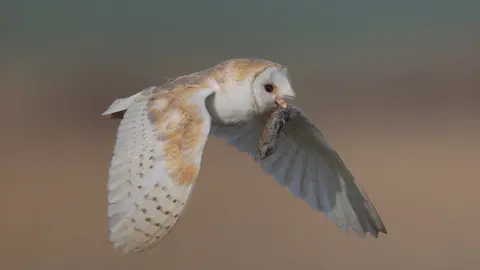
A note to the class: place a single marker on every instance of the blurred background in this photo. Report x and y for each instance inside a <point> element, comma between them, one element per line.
<point>394,85</point>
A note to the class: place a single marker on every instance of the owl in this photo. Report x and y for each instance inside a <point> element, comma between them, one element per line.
<point>163,131</point>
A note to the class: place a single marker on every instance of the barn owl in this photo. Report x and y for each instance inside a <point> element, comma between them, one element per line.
<point>163,131</point>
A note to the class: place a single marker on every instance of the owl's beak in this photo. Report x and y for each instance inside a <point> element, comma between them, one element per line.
<point>280,102</point>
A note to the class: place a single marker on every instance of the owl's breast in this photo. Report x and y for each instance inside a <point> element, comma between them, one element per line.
<point>230,108</point>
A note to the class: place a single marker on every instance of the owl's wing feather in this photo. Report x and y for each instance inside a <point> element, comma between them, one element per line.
<point>119,106</point>
<point>155,164</point>
<point>312,170</point>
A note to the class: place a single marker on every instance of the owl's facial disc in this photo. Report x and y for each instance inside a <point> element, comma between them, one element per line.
<point>272,88</point>
<point>282,89</point>
<point>276,95</point>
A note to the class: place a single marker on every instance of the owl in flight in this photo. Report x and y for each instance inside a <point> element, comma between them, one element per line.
<point>164,129</point>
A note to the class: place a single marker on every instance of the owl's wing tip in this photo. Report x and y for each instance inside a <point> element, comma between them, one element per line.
<point>114,115</point>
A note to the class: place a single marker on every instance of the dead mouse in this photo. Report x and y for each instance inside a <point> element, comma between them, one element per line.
<point>274,125</point>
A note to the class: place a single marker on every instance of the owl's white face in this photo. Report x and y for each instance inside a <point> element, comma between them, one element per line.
<point>270,87</point>
<point>248,88</point>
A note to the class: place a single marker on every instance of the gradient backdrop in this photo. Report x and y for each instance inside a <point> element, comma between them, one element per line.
<point>394,85</point>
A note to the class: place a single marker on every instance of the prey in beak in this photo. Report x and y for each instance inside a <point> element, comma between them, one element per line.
<point>273,127</point>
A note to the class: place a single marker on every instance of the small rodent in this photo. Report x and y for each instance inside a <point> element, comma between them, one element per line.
<point>274,125</point>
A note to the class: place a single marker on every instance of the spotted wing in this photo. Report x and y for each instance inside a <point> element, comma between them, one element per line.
<point>155,164</point>
<point>312,170</point>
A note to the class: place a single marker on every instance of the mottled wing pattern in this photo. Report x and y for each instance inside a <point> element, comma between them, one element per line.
<point>156,161</point>
<point>312,170</point>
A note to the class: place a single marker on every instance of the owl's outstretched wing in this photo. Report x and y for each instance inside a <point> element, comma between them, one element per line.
<point>312,170</point>
<point>155,164</point>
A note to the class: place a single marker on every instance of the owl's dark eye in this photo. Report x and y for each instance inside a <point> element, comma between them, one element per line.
<point>268,87</point>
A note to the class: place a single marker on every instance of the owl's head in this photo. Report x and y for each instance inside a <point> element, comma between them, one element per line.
<point>270,86</point>
<point>250,87</point>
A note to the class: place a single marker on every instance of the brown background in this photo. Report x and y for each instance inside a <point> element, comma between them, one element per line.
<point>405,118</point>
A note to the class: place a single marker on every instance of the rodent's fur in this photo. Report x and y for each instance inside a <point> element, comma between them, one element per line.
<point>273,126</point>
